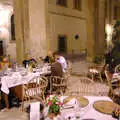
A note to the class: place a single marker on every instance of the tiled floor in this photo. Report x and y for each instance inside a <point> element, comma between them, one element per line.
<point>13,114</point>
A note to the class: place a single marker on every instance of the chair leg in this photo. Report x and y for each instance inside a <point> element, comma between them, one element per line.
<point>61,92</point>
<point>101,77</point>
<point>22,106</point>
<point>43,96</point>
<point>92,76</point>
<point>50,86</point>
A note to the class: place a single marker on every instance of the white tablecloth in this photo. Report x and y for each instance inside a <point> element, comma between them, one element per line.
<point>16,79</point>
<point>89,111</point>
<point>10,81</point>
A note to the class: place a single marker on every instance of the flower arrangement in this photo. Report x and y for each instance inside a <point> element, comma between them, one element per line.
<point>54,104</point>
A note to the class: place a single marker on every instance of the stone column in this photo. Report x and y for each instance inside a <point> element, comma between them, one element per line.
<point>90,28</point>
<point>18,30</point>
<point>37,19</point>
<point>30,28</point>
<point>100,28</point>
<point>21,27</point>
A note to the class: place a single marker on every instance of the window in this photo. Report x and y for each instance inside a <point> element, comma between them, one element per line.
<point>12,28</point>
<point>77,4</point>
<point>61,2</point>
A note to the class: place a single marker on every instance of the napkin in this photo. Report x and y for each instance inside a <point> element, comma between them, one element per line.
<point>71,103</point>
<point>35,111</point>
<point>4,84</point>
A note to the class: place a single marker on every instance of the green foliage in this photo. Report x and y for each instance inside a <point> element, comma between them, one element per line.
<point>54,109</point>
<point>98,59</point>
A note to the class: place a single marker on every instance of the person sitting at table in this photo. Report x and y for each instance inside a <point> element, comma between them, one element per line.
<point>49,58</point>
<point>56,70</point>
<point>61,60</point>
<point>4,63</point>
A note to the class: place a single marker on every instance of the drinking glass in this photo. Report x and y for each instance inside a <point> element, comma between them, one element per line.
<point>77,108</point>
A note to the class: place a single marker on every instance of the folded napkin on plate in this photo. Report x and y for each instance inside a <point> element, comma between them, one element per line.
<point>35,111</point>
<point>71,103</point>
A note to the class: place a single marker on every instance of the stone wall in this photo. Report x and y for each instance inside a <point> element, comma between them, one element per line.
<point>69,22</point>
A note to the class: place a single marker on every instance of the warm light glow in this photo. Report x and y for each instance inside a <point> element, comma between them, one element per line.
<point>109,31</point>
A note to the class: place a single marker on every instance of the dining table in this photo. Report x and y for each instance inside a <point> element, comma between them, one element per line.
<point>88,112</point>
<point>15,79</point>
<point>74,110</point>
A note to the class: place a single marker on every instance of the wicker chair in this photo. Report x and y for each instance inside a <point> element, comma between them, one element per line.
<point>67,73</point>
<point>117,69</point>
<point>34,90</point>
<point>114,92</point>
<point>57,84</point>
<point>96,72</point>
<point>85,86</point>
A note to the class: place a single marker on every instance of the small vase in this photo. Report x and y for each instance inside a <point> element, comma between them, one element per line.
<point>52,116</point>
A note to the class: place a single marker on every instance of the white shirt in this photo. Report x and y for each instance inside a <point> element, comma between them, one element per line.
<point>63,62</point>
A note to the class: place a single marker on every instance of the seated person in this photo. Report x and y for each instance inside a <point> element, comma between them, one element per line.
<point>49,58</point>
<point>56,69</point>
<point>61,60</point>
<point>5,63</point>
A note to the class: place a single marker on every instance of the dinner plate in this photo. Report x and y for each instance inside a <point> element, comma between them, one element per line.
<point>82,100</point>
<point>105,107</point>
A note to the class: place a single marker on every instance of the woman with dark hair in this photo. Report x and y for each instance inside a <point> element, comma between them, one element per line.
<point>49,58</point>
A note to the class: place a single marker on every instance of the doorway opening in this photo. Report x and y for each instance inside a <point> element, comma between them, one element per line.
<point>62,43</point>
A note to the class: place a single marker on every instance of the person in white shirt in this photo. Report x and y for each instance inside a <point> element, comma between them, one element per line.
<point>61,60</point>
